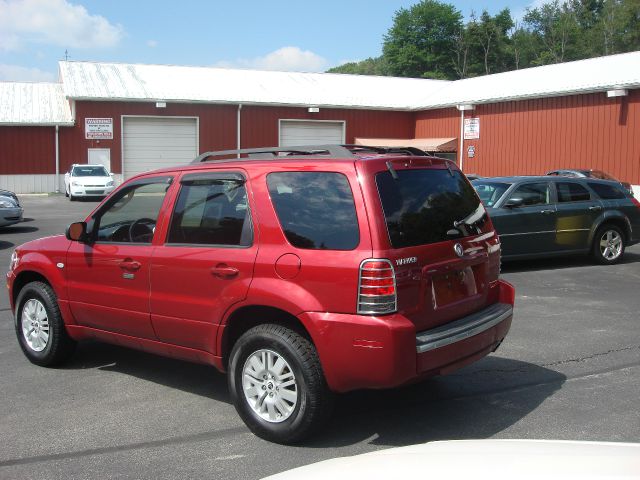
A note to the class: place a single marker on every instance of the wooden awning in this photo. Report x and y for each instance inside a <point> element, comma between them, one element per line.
<point>426,144</point>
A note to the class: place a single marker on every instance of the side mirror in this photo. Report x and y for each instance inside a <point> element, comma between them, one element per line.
<point>77,232</point>
<point>514,202</point>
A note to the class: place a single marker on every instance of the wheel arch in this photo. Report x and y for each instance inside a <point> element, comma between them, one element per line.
<point>23,278</point>
<point>249,316</point>
<point>616,220</point>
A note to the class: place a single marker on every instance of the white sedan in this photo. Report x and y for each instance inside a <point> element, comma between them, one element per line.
<point>87,181</point>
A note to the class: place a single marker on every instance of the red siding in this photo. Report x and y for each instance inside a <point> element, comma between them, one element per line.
<point>531,137</point>
<point>27,150</point>
<point>260,124</point>
<point>217,128</point>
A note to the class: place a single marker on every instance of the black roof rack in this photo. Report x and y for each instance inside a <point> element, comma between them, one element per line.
<point>334,151</point>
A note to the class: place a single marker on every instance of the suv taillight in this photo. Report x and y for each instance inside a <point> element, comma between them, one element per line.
<point>377,287</point>
<point>635,201</point>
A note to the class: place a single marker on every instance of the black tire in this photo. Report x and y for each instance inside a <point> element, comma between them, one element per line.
<point>59,346</point>
<point>314,400</point>
<point>66,192</point>
<point>72,198</point>
<point>600,236</point>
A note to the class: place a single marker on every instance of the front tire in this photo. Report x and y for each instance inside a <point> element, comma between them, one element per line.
<point>277,384</point>
<point>608,245</point>
<point>39,326</point>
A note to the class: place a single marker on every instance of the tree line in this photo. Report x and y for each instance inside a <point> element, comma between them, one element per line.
<point>431,39</point>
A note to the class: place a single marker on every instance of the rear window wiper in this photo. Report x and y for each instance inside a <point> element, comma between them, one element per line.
<point>392,170</point>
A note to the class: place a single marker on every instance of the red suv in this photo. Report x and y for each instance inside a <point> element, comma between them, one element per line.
<point>301,271</point>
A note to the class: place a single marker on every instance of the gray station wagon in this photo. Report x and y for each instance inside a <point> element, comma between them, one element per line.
<point>545,216</point>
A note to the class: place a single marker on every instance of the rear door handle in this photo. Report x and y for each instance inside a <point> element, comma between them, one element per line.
<point>129,264</point>
<point>224,271</point>
<point>547,212</point>
<point>595,208</point>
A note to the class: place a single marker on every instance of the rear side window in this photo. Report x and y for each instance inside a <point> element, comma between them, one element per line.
<point>212,211</point>
<point>316,209</point>
<point>572,192</point>
<point>428,206</point>
<point>607,192</point>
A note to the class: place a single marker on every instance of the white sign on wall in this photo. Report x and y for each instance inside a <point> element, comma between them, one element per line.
<point>471,128</point>
<point>98,128</point>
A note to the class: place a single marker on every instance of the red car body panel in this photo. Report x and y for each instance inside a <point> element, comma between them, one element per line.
<point>180,304</point>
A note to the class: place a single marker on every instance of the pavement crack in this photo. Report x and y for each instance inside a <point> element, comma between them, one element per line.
<point>590,357</point>
<point>196,437</point>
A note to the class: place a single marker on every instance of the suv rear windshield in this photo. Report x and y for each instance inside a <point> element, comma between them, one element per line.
<point>428,206</point>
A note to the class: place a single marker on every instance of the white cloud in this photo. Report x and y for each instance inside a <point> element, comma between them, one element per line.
<point>16,73</point>
<point>54,22</point>
<point>152,43</point>
<point>289,59</point>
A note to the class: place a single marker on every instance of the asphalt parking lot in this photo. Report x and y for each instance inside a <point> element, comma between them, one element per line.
<point>569,369</point>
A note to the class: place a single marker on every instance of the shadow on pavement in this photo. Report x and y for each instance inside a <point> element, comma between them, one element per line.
<point>190,377</point>
<point>4,245</point>
<point>475,402</point>
<point>556,263</point>
<point>18,228</point>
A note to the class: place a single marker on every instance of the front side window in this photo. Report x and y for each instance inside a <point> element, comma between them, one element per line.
<point>316,209</point>
<point>572,192</point>
<point>212,210</point>
<point>131,215</point>
<point>490,192</point>
<point>532,193</point>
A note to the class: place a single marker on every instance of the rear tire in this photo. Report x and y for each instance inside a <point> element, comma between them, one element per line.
<point>39,326</point>
<point>72,198</point>
<point>608,245</point>
<point>277,384</point>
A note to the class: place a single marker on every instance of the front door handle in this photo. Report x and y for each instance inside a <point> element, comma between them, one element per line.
<point>223,270</point>
<point>595,208</point>
<point>547,212</point>
<point>130,265</point>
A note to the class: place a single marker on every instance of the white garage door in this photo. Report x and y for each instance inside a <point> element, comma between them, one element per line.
<point>293,133</point>
<point>157,142</point>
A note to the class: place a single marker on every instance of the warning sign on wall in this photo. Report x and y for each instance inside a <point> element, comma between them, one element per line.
<point>98,128</point>
<point>471,128</point>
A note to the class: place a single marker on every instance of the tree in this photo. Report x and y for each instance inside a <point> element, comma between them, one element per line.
<point>556,29</point>
<point>369,66</point>
<point>422,41</point>
<point>490,35</point>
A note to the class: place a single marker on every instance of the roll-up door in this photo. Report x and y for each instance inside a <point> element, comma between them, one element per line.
<point>305,132</point>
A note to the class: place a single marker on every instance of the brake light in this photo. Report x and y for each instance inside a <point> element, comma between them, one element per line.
<point>635,201</point>
<point>377,287</point>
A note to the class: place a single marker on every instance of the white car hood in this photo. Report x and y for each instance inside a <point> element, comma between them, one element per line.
<point>482,459</point>
<point>91,180</point>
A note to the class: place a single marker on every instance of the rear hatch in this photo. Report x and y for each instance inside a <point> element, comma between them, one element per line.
<point>437,235</point>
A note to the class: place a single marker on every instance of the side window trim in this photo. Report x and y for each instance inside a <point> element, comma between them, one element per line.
<point>187,180</point>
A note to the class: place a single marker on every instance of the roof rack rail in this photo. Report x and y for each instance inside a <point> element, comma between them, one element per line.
<point>335,151</point>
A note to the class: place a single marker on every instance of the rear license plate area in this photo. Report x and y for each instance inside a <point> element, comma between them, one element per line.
<point>453,286</point>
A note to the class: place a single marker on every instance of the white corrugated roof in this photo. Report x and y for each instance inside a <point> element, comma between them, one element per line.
<point>33,104</point>
<point>583,76</point>
<point>101,81</point>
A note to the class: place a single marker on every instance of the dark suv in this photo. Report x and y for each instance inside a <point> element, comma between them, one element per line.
<point>546,216</point>
<point>302,272</point>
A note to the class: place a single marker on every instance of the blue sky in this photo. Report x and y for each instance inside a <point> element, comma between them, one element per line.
<point>278,35</point>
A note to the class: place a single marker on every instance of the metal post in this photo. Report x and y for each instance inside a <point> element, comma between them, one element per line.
<point>57,181</point>
<point>238,142</point>
<point>461,138</point>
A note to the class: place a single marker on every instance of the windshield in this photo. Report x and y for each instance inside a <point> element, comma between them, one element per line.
<point>90,171</point>
<point>490,192</point>
<point>428,206</point>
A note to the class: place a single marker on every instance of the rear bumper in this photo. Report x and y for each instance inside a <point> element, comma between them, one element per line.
<point>358,351</point>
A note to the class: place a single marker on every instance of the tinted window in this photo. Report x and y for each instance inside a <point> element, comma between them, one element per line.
<point>489,192</point>
<point>607,192</point>
<point>132,218</point>
<point>212,211</point>
<point>600,174</point>
<point>428,206</point>
<point>90,171</point>
<point>572,192</point>
<point>315,209</point>
<point>532,193</point>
